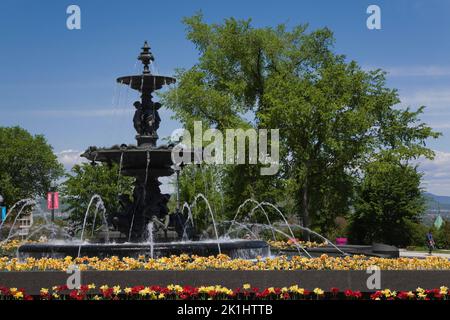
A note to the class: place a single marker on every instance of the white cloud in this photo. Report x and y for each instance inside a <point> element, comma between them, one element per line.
<point>438,98</point>
<point>413,70</point>
<point>85,112</point>
<point>437,173</point>
<point>69,158</point>
<point>439,126</point>
<point>419,71</point>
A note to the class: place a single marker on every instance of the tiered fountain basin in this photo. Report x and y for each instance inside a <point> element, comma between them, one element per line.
<point>146,82</point>
<point>247,249</point>
<point>134,159</point>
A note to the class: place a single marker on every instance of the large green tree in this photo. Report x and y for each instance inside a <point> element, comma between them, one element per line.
<point>85,181</point>
<point>28,165</point>
<point>388,204</point>
<point>334,117</point>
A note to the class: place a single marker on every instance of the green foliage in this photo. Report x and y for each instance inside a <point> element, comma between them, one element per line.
<point>28,165</point>
<point>333,116</point>
<point>85,181</point>
<point>389,201</point>
<point>442,236</point>
<point>416,233</point>
<point>204,179</point>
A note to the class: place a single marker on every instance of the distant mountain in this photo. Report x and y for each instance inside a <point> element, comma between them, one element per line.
<point>435,202</point>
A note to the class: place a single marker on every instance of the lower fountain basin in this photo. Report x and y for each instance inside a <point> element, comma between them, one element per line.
<point>247,249</point>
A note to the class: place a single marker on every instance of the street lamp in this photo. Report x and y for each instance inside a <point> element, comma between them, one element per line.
<point>2,208</point>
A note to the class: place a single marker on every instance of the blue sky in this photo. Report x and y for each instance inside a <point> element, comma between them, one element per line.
<point>61,83</point>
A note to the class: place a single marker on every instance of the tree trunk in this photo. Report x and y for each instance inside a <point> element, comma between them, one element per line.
<point>305,201</point>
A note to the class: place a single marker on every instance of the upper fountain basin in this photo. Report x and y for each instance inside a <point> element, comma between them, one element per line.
<point>145,82</point>
<point>134,159</point>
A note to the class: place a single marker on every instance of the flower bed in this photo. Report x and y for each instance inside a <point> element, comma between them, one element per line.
<point>246,292</point>
<point>223,262</point>
<point>293,244</point>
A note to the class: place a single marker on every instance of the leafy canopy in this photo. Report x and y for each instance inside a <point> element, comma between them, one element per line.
<point>28,165</point>
<point>86,181</point>
<point>334,117</point>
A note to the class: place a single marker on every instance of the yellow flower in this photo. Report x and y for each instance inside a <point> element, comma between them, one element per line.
<point>246,286</point>
<point>421,295</point>
<point>117,290</point>
<point>55,295</point>
<point>96,297</point>
<point>443,290</point>
<point>318,291</point>
<point>44,291</point>
<point>144,292</point>
<point>18,295</point>
<point>127,290</point>
<point>104,287</point>
<point>161,296</point>
<point>91,286</point>
<point>387,293</point>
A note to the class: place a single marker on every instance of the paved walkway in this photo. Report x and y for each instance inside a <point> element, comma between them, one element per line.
<point>420,254</point>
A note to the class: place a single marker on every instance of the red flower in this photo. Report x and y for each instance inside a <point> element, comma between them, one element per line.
<point>74,294</point>
<point>334,291</point>
<point>136,289</point>
<point>5,291</point>
<point>183,296</point>
<point>84,288</point>
<point>107,293</point>
<point>403,295</point>
<point>62,288</point>
<point>355,294</point>
<point>376,295</point>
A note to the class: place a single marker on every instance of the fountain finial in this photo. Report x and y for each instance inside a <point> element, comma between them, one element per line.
<point>145,57</point>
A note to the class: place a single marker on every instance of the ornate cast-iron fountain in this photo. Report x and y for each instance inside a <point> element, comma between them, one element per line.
<point>146,161</point>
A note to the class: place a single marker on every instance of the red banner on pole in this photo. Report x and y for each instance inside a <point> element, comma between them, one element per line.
<point>55,200</point>
<point>52,200</point>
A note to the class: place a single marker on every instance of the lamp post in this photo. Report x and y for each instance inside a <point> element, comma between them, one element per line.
<point>2,208</point>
